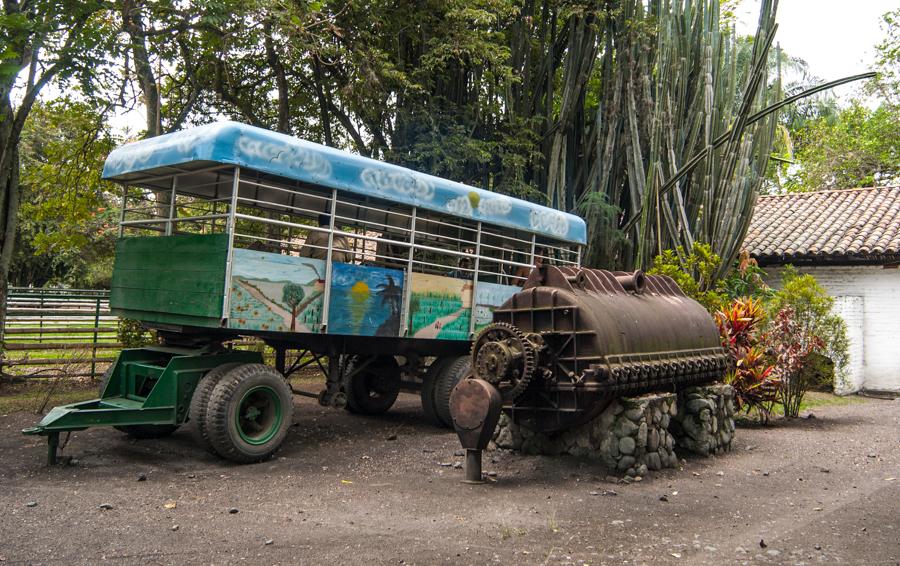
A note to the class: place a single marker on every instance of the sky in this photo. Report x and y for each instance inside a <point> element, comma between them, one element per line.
<point>836,38</point>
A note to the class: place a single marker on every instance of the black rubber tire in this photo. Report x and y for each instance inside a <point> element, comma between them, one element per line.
<point>427,394</point>
<point>200,402</point>
<point>222,410</point>
<point>447,379</point>
<point>141,432</point>
<point>373,390</point>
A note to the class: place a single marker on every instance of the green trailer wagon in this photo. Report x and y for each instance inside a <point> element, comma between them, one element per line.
<point>378,275</point>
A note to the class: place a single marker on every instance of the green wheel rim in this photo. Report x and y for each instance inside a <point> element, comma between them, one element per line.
<point>259,415</point>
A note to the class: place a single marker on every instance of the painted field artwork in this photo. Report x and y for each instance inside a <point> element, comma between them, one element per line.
<point>365,301</point>
<point>276,292</point>
<point>488,297</point>
<point>440,307</point>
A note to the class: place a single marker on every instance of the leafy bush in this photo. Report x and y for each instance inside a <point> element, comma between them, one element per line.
<point>132,334</point>
<point>694,272</point>
<point>812,311</point>
<point>756,385</point>
<point>792,345</point>
<point>746,280</point>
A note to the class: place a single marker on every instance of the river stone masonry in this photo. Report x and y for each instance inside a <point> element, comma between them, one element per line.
<point>630,436</point>
<point>637,434</point>
<point>704,425</point>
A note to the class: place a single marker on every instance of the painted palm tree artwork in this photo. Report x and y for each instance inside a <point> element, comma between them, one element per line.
<point>276,292</point>
<point>365,300</point>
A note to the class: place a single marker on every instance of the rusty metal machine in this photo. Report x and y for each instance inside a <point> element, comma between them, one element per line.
<point>574,339</point>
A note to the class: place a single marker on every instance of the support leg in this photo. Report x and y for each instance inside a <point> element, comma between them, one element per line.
<point>473,466</point>
<point>280,359</point>
<point>52,447</point>
<point>333,395</point>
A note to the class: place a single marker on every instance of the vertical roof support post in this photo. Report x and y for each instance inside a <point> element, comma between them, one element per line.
<point>475,274</point>
<point>326,297</point>
<point>122,213</point>
<point>171,206</point>
<point>533,248</point>
<point>232,228</point>
<point>578,255</point>
<point>407,283</point>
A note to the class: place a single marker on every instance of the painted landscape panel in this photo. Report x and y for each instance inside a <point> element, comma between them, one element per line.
<point>276,292</point>
<point>488,297</point>
<point>440,307</point>
<point>365,300</point>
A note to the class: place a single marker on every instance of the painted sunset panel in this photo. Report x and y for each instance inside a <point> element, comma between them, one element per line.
<point>440,307</point>
<point>488,297</point>
<point>275,292</point>
<point>365,300</point>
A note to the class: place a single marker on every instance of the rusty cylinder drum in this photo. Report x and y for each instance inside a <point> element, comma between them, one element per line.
<point>575,338</point>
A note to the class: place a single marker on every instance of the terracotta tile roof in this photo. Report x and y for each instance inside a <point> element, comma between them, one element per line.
<point>843,226</point>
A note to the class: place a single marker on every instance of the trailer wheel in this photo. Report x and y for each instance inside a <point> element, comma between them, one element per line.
<point>429,386</point>
<point>200,402</point>
<point>452,373</point>
<point>143,431</point>
<point>374,388</point>
<point>249,413</point>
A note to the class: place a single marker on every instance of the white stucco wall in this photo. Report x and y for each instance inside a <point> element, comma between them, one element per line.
<point>868,298</point>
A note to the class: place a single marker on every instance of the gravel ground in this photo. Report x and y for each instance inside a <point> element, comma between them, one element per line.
<point>347,489</point>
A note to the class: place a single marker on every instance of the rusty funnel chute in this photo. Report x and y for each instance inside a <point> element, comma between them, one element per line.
<point>574,339</point>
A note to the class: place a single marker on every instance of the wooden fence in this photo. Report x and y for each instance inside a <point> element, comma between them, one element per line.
<point>58,332</point>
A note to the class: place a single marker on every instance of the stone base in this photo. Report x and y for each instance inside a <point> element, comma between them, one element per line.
<point>636,434</point>
<point>630,436</point>
<point>704,425</point>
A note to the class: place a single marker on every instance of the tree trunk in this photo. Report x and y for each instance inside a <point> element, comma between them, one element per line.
<point>9,211</point>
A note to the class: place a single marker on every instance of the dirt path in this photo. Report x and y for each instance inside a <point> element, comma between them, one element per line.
<point>355,490</point>
<point>433,329</point>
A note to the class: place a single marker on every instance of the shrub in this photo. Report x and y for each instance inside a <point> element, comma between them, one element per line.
<point>792,345</point>
<point>746,280</point>
<point>756,386</point>
<point>694,272</point>
<point>132,334</point>
<point>812,312</point>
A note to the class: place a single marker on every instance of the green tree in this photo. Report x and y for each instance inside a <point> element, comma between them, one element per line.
<point>41,41</point>
<point>292,295</point>
<point>858,148</point>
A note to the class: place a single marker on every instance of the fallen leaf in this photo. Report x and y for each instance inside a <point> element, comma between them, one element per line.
<point>346,481</point>
<point>170,505</point>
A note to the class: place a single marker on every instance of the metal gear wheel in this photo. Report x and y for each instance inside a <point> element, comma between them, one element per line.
<point>505,357</point>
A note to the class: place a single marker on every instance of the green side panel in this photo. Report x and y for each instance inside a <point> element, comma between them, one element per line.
<point>170,279</point>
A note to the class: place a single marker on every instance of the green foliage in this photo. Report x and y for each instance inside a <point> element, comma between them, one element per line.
<point>133,334</point>
<point>887,61</point>
<point>694,272</point>
<point>858,147</point>
<point>746,280</point>
<point>813,312</point>
<point>68,215</point>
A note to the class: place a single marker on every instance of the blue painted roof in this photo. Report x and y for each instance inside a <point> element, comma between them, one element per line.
<point>269,152</point>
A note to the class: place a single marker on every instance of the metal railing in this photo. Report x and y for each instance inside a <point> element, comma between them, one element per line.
<point>58,332</point>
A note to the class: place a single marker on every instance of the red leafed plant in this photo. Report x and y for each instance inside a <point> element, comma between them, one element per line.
<point>756,385</point>
<point>792,345</point>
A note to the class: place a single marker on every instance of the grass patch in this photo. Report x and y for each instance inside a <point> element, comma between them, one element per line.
<point>816,399</point>
<point>812,400</point>
<point>30,396</point>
